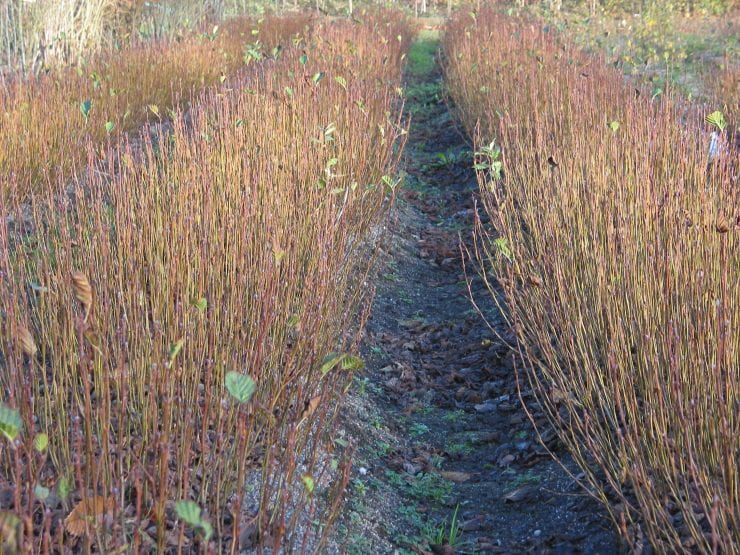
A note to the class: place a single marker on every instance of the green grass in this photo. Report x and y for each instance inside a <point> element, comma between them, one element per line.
<point>424,487</point>
<point>422,53</point>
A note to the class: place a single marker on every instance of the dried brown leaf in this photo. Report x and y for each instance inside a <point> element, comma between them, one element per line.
<point>311,406</point>
<point>454,476</point>
<point>82,289</point>
<point>91,511</point>
<point>25,340</point>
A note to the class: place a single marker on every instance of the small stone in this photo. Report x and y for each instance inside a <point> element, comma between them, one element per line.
<point>537,533</point>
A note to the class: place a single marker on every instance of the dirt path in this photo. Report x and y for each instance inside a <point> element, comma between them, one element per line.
<point>447,459</point>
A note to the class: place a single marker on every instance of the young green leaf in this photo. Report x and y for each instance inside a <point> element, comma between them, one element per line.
<point>201,304</point>
<point>64,487</point>
<point>240,386</point>
<point>190,513</point>
<point>109,126</point>
<point>329,362</point>
<point>10,422</point>
<point>717,119</point>
<point>41,442</point>
<point>309,483</point>
<point>175,349</point>
<point>41,492</point>
<point>503,248</point>
<point>351,362</point>
<point>85,108</point>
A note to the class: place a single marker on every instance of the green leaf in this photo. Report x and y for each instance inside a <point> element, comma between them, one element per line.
<point>341,81</point>
<point>64,487</point>
<point>351,362</point>
<point>317,77</point>
<point>389,182</point>
<point>41,442</point>
<point>10,422</point>
<point>240,386</point>
<point>190,513</point>
<point>503,248</point>
<point>154,109</point>
<point>309,483</point>
<point>614,126</point>
<point>201,304</point>
<point>288,92</point>
<point>109,126</point>
<point>293,320</point>
<point>329,362</point>
<point>343,360</point>
<point>41,492</point>
<point>175,349</point>
<point>717,119</point>
<point>85,108</point>
<point>303,59</point>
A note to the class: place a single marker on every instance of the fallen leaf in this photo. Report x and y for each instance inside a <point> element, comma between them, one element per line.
<point>454,476</point>
<point>472,525</point>
<point>442,549</point>
<point>506,460</point>
<point>485,407</point>
<point>91,511</point>
<point>524,493</point>
<point>310,408</point>
<point>558,395</point>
